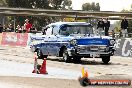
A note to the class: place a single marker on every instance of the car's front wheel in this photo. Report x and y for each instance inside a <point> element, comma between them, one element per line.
<point>106,59</point>
<point>77,59</point>
<point>66,57</point>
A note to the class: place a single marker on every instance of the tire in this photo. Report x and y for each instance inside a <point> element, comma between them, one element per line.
<point>77,59</point>
<point>66,57</point>
<point>106,59</point>
<point>45,56</point>
<point>40,54</point>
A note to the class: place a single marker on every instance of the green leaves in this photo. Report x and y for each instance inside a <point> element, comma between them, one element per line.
<point>91,6</point>
<point>43,4</point>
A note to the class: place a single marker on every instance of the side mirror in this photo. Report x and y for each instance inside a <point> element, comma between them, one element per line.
<point>44,29</point>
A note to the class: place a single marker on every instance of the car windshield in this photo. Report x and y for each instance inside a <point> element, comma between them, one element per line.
<point>76,29</point>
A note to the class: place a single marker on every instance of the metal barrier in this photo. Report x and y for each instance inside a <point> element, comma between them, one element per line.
<point>120,35</point>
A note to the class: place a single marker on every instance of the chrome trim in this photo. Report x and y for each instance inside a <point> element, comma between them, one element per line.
<point>90,48</point>
<point>70,51</point>
<point>91,45</point>
<point>95,53</point>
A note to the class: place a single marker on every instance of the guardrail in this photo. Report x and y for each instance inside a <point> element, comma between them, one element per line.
<point>120,35</point>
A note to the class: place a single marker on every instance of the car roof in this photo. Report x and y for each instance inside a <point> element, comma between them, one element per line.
<point>69,23</point>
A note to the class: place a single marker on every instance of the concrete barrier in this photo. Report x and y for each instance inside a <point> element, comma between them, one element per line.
<point>14,39</point>
<point>124,47</point>
<point>18,39</point>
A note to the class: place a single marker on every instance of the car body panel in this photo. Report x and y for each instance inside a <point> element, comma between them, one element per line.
<point>52,42</point>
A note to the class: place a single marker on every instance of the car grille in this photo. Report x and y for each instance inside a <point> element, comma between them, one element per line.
<point>96,48</point>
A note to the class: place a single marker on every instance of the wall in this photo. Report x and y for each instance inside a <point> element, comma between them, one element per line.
<point>14,39</point>
<point>124,47</point>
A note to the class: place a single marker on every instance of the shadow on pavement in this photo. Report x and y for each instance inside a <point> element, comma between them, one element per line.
<point>82,62</point>
<point>87,62</point>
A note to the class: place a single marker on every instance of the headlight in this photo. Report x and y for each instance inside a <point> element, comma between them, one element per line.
<point>73,42</point>
<point>102,47</point>
<point>112,42</point>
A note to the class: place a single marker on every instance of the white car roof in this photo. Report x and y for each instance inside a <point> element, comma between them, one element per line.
<point>69,23</point>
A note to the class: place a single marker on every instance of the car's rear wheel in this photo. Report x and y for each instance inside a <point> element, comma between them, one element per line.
<point>66,57</point>
<point>45,56</point>
<point>106,59</point>
<point>40,54</point>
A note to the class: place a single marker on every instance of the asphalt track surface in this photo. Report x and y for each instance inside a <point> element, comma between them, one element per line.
<point>17,63</point>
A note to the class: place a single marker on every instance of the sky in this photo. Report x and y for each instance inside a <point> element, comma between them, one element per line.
<point>106,5</point>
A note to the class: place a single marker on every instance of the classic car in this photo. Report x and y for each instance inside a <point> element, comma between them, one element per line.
<point>73,40</point>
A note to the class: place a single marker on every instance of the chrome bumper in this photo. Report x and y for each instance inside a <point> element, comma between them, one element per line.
<point>87,51</point>
<point>89,54</point>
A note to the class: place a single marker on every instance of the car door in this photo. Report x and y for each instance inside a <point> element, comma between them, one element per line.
<point>46,45</point>
<point>50,46</point>
<point>53,46</point>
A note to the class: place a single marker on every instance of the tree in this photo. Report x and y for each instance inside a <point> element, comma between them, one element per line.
<point>86,7</point>
<point>28,3</point>
<point>97,7</point>
<point>60,4</point>
<point>43,4</point>
<point>3,3</point>
<point>39,4</point>
<point>37,21</point>
<point>91,6</point>
<point>66,4</point>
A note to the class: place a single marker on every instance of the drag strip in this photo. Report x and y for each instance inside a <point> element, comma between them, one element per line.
<point>10,68</point>
<point>22,58</point>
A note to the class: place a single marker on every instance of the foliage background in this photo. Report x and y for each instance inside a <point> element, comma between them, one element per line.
<point>40,22</point>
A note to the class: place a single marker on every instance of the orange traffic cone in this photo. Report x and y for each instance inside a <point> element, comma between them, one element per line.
<point>43,68</point>
<point>84,72</point>
<point>35,64</point>
<point>84,80</point>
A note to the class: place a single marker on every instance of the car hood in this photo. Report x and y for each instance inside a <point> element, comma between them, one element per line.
<point>92,41</point>
<point>88,40</point>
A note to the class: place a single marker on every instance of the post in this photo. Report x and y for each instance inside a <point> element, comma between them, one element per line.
<point>14,24</point>
<point>76,17</point>
<point>3,22</point>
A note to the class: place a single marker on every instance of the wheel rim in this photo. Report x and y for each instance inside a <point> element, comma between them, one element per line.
<point>39,53</point>
<point>65,55</point>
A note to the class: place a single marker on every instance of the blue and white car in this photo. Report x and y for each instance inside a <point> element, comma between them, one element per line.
<point>73,40</point>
